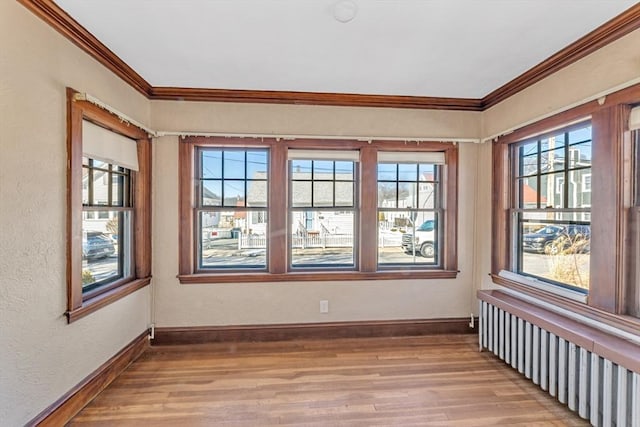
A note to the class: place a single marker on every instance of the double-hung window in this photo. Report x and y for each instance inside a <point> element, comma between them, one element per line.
<point>109,222</point>
<point>232,202</point>
<point>410,209</point>
<point>323,209</point>
<point>551,200</point>
<point>107,214</point>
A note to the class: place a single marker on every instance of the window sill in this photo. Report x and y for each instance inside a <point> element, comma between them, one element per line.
<point>314,276</point>
<point>541,285</point>
<point>106,298</point>
<point>625,323</point>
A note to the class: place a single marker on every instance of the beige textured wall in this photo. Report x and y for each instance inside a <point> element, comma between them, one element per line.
<point>613,65</point>
<point>246,303</point>
<point>312,120</point>
<point>41,356</point>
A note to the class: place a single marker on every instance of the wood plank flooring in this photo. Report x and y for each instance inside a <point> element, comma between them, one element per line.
<point>412,381</point>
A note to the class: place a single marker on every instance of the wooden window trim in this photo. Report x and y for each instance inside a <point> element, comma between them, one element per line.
<point>611,198</point>
<point>77,306</point>
<point>278,203</point>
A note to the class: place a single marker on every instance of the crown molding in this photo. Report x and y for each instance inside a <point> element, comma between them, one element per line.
<point>611,31</point>
<point>57,18</point>
<point>314,98</point>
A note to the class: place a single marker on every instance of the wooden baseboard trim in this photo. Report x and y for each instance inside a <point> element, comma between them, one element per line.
<point>301,331</point>
<point>66,407</point>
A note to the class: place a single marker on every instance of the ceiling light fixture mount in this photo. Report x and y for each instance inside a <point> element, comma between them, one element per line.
<point>345,11</point>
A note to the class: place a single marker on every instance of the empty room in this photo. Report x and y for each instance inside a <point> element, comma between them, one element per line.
<point>320,213</point>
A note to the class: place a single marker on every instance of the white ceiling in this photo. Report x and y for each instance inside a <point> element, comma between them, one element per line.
<point>440,48</point>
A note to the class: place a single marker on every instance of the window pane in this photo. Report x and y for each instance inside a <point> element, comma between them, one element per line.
<point>344,171</point>
<point>106,247</point>
<point>322,239</point>
<point>233,164</point>
<point>407,172</point>
<point>580,135</point>
<point>257,193</point>
<point>427,195</point>
<point>233,193</point>
<point>387,172</point>
<point>552,190</point>
<point>407,195</point>
<point>528,193</point>
<point>580,155</point>
<point>322,169</point>
<point>85,186</point>
<point>407,238</point>
<point>322,194</point>
<point>233,239</point>
<point>117,188</point>
<point>555,247</point>
<point>552,160</point>
<point>257,164</point>
<point>100,187</point>
<point>344,194</point>
<point>301,193</point>
<point>553,142</point>
<point>580,188</point>
<point>211,164</point>
<point>387,194</point>
<point>211,193</point>
<point>530,148</point>
<point>529,165</point>
<point>301,169</point>
<point>100,164</point>
<point>427,172</point>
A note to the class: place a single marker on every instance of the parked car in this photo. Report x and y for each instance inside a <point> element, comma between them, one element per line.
<point>97,245</point>
<point>423,240</point>
<point>554,239</point>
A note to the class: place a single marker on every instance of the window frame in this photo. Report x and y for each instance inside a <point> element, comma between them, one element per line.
<point>610,203</point>
<point>277,235</point>
<point>79,303</point>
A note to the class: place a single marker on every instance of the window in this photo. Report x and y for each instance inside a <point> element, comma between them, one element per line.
<point>108,208</point>
<point>106,240</point>
<point>542,237</point>
<point>409,210</point>
<point>232,194</point>
<point>552,237</point>
<point>322,209</point>
<point>293,210</point>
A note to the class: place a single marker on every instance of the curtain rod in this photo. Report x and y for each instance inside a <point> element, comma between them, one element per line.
<point>92,99</point>
<point>123,117</point>
<point>350,137</point>
<point>599,97</point>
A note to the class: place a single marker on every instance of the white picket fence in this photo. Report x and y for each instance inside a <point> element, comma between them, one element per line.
<point>252,241</point>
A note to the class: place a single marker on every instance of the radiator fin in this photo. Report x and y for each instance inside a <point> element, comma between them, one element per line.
<point>597,389</point>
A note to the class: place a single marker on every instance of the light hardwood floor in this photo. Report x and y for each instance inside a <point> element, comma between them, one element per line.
<point>413,381</point>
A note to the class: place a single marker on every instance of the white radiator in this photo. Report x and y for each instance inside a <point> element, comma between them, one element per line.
<point>597,389</point>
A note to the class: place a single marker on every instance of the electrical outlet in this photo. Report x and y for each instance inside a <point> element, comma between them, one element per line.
<point>324,306</point>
